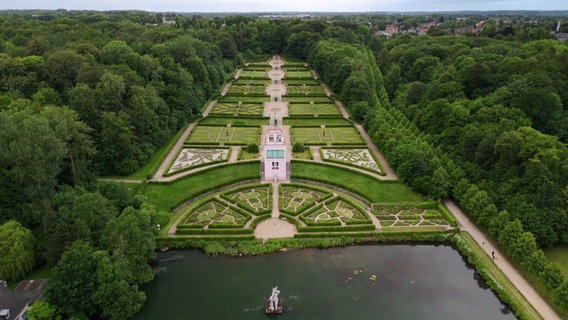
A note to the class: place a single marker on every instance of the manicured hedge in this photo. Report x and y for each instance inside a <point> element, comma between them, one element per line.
<point>351,228</point>
<point>220,231</point>
<point>196,143</point>
<point>452,221</point>
<point>167,173</point>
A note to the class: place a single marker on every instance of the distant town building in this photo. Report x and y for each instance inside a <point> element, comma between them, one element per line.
<point>167,21</point>
<point>391,30</point>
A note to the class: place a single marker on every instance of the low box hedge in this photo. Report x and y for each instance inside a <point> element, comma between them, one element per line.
<point>220,231</point>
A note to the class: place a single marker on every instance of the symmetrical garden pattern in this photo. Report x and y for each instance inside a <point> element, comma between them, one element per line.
<point>257,199</point>
<point>354,157</point>
<point>236,109</point>
<point>297,199</point>
<point>191,157</point>
<point>406,215</point>
<point>336,211</point>
<point>215,213</point>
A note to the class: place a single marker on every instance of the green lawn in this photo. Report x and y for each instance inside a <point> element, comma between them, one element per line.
<point>316,109</point>
<point>317,99</point>
<point>298,74</point>
<point>366,186</point>
<point>242,82</point>
<point>224,135</point>
<point>317,122</point>
<point>559,256</point>
<point>299,82</point>
<point>328,135</point>
<point>168,196</point>
<point>253,74</point>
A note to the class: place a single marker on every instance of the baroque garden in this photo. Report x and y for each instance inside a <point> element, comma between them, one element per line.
<point>336,181</point>
<point>331,185</point>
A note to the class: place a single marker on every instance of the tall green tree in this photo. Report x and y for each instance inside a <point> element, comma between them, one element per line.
<point>73,282</point>
<point>16,250</point>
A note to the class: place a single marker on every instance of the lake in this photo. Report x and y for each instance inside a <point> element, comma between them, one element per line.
<point>400,281</point>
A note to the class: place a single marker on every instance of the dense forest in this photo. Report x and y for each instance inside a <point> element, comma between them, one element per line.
<point>481,117</point>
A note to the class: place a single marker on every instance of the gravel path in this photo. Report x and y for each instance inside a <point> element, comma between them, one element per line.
<point>159,175</point>
<point>514,276</point>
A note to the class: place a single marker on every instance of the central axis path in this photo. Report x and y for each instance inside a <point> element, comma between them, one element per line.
<point>276,110</point>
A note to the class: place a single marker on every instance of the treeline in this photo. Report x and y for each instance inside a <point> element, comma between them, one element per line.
<point>79,99</point>
<point>481,120</point>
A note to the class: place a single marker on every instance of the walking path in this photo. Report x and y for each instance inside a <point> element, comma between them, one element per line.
<point>159,175</point>
<point>510,272</point>
<point>390,174</point>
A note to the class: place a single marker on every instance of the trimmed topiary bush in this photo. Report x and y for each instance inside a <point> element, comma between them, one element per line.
<point>298,147</point>
<point>252,148</point>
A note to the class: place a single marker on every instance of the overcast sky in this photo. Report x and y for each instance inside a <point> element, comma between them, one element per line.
<point>287,5</point>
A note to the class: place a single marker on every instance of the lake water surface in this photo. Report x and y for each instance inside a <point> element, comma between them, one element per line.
<point>359,282</point>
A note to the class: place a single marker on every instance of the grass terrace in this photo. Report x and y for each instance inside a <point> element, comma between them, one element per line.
<point>300,82</point>
<point>171,195</point>
<point>251,82</point>
<point>246,74</point>
<point>307,100</point>
<point>327,135</point>
<point>317,122</point>
<point>298,74</point>
<point>371,189</point>
<point>224,135</point>
<point>314,109</point>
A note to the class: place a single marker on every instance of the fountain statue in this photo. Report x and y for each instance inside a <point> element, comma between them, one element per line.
<point>274,298</point>
<point>273,304</point>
